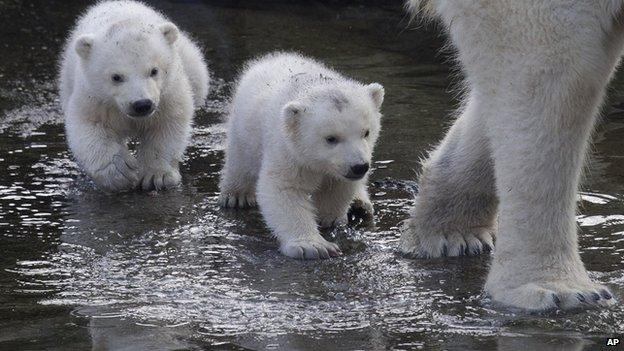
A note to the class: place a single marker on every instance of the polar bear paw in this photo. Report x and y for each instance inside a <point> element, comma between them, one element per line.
<point>310,249</point>
<point>421,244</point>
<point>239,200</point>
<point>118,175</point>
<point>558,294</point>
<point>160,178</point>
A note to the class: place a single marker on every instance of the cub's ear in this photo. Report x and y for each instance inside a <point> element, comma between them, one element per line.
<point>376,92</point>
<point>292,112</point>
<point>170,31</point>
<point>84,46</point>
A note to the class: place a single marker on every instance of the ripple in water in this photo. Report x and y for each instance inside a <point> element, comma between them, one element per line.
<point>223,275</point>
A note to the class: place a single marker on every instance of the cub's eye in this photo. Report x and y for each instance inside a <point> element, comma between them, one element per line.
<point>331,140</point>
<point>154,72</point>
<point>117,78</point>
<point>366,133</point>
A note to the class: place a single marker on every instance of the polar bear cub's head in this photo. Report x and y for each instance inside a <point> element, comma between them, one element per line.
<point>128,64</point>
<point>334,128</point>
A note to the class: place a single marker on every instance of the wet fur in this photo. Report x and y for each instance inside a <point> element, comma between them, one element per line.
<point>129,37</point>
<point>283,107</point>
<point>510,165</point>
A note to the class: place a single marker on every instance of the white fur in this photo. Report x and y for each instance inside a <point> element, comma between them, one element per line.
<point>130,39</point>
<point>284,107</point>
<point>536,73</point>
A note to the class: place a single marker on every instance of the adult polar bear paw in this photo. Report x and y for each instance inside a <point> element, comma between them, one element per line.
<point>120,174</point>
<point>312,248</point>
<point>549,295</point>
<point>239,200</point>
<point>427,244</point>
<point>159,178</point>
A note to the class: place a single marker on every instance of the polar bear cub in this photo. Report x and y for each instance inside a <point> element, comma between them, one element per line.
<point>127,72</point>
<point>300,139</point>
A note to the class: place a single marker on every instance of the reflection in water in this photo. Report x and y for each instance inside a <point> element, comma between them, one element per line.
<point>542,343</point>
<point>173,271</point>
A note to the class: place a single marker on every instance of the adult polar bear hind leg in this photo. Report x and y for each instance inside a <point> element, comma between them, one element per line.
<point>129,73</point>
<point>300,139</point>
<point>536,73</point>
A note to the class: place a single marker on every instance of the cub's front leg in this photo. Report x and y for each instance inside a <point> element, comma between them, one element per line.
<point>289,212</point>
<point>362,207</point>
<point>332,201</point>
<point>102,153</point>
<point>161,149</point>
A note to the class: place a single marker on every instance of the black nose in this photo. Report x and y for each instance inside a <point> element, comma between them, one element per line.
<point>359,170</point>
<point>142,107</point>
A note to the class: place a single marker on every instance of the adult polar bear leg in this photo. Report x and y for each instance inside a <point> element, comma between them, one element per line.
<point>538,149</point>
<point>539,142</point>
<point>539,81</point>
<point>539,126</point>
<point>455,208</point>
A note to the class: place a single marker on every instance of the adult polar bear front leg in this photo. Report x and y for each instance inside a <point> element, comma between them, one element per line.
<point>289,211</point>
<point>538,149</point>
<point>538,153</point>
<point>539,81</point>
<point>455,209</point>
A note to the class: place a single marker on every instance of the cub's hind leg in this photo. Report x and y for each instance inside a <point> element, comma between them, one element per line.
<point>240,173</point>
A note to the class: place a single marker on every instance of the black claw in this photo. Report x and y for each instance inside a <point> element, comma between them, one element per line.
<point>556,300</point>
<point>580,297</point>
<point>595,296</point>
<point>444,251</point>
<point>487,248</point>
<point>606,294</point>
<point>462,250</point>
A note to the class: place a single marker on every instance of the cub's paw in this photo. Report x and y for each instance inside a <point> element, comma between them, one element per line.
<point>558,294</point>
<point>313,248</point>
<point>331,221</point>
<point>428,244</point>
<point>241,200</point>
<point>118,175</point>
<point>160,178</point>
<point>361,210</point>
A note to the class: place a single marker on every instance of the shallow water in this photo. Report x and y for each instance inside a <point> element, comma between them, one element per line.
<point>80,269</point>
